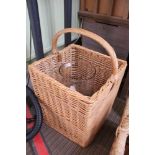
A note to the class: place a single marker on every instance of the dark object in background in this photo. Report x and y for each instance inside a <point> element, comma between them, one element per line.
<point>32,6</point>
<point>67,19</point>
<point>35,115</point>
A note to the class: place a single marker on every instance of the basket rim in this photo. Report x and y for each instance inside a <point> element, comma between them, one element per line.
<point>84,98</point>
<point>77,46</point>
<point>93,51</point>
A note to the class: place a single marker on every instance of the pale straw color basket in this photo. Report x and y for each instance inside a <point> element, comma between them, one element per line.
<point>79,114</point>
<point>122,132</point>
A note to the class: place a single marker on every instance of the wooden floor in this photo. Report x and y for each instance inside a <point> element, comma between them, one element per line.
<point>57,144</point>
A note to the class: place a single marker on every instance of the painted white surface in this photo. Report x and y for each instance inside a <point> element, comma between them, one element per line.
<point>51,14</point>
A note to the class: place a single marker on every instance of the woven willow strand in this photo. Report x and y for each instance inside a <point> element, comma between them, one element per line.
<point>122,133</point>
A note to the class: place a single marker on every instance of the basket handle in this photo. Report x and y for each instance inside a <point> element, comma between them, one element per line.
<point>93,36</point>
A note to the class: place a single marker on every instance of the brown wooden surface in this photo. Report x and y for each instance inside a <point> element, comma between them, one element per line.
<point>82,5</point>
<point>116,8</point>
<point>103,18</point>
<point>105,7</point>
<point>89,5</point>
<point>121,8</point>
<point>96,5</point>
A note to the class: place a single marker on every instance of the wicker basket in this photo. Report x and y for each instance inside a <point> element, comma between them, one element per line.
<point>77,113</point>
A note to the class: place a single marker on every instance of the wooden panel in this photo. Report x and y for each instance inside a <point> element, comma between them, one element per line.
<point>105,7</point>
<point>104,18</point>
<point>96,4</point>
<point>89,5</point>
<point>121,8</point>
<point>116,8</point>
<point>82,5</point>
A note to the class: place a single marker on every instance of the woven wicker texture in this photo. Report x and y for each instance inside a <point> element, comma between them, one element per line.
<point>122,132</point>
<point>77,114</point>
<point>57,144</point>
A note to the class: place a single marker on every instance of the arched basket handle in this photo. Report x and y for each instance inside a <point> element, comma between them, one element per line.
<point>94,37</point>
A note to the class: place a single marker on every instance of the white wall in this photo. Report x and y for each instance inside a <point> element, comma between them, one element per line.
<point>51,14</point>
